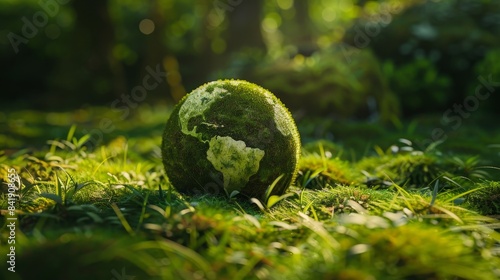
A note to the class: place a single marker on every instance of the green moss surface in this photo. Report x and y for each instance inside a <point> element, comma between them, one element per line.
<point>332,172</point>
<point>409,170</point>
<point>230,136</point>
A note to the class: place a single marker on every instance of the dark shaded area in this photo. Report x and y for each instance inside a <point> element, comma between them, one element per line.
<point>427,55</point>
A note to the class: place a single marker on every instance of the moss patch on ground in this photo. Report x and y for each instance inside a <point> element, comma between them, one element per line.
<point>364,213</point>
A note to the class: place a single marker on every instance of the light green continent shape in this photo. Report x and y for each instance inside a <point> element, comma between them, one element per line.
<point>234,160</point>
<point>195,105</point>
<point>280,117</point>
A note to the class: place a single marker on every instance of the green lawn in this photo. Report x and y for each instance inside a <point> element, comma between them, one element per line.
<point>366,204</point>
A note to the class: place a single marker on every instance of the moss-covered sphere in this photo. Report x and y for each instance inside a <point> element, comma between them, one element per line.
<point>230,136</point>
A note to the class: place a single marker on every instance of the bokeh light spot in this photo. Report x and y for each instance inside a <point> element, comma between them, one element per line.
<point>271,22</point>
<point>146,26</point>
<point>328,14</point>
<point>285,4</point>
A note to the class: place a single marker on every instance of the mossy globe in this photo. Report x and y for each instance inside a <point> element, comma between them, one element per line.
<point>231,135</point>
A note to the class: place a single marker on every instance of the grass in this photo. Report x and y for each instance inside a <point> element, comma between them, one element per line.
<point>108,211</point>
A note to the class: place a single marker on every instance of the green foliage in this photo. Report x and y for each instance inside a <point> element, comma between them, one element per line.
<point>309,49</point>
<point>413,170</point>
<point>316,172</point>
<point>329,148</point>
<point>487,70</point>
<point>486,200</point>
<point>417,84</point>
<point>435,46</point>
<point>344,84</point>
<point>487,66</point>
<point>470,167</point>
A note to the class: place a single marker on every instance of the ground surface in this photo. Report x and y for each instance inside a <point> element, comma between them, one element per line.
<point>370,202</point>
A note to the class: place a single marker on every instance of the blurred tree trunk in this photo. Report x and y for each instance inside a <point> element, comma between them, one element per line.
<point>156,53</point>
<point>243,31</point>
<point>302,31</point>
<point>93,41</point>
<point>244,21</point>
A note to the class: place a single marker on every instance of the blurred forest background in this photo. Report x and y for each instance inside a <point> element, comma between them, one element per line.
<point>346,59</point>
